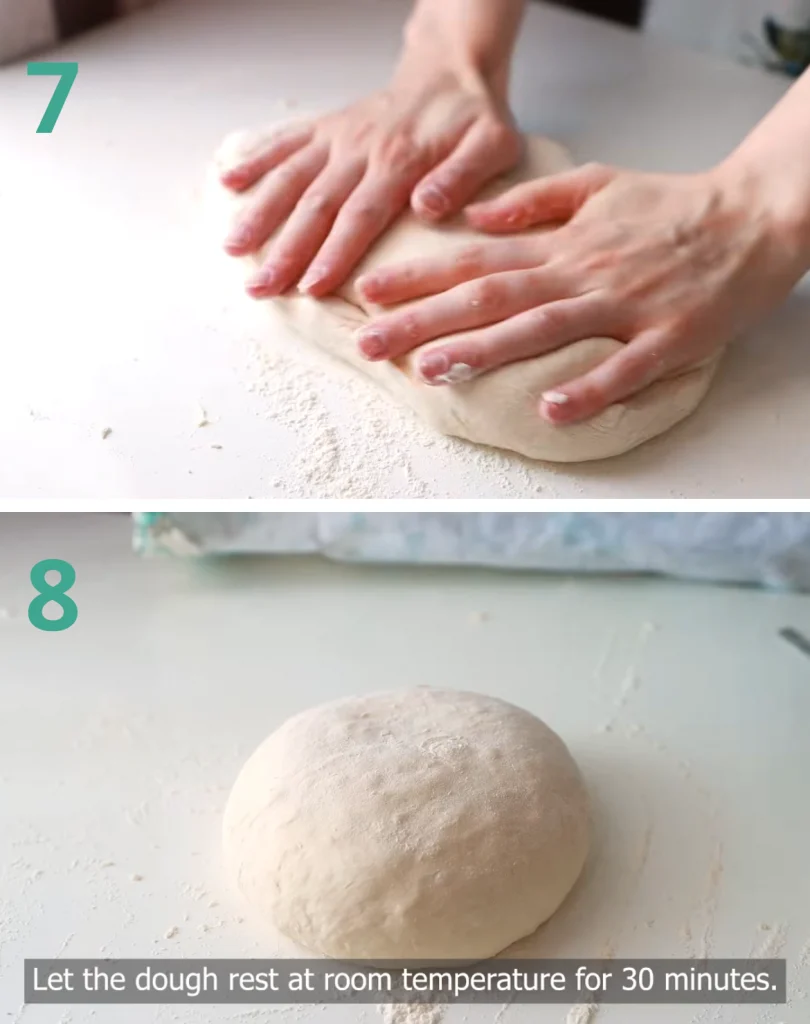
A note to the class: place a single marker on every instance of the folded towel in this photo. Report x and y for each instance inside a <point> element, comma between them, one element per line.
<point>767,549</point>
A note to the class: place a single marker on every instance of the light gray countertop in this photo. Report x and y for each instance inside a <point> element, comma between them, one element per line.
<point>121,736</point>
<point>119,312</point>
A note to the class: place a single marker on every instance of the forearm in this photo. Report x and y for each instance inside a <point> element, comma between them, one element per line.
<point>773,159</point>
<point>481,33</point>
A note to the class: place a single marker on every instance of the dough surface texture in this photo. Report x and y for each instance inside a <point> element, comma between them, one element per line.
<point>417,824</point>
<point>498,409</point>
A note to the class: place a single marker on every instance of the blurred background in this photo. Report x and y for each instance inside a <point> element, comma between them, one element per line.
<point>773,33</point>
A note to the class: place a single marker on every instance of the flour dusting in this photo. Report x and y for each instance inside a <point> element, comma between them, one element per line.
<point>353,441</point>
<point>773,939</point>
<point>716,870</point>
<point>412,1013</point>
<point>582,1014</point>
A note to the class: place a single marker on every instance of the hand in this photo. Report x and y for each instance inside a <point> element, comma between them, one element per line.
<point>433,139</point>
<point>672,265</point>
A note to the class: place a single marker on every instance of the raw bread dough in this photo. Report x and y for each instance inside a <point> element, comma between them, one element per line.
<point>418,824</point>
<point>498,408</point>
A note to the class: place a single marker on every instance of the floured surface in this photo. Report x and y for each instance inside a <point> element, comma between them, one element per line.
<point>350,441</point>
<point>115,767</point>
<point>166,331</point>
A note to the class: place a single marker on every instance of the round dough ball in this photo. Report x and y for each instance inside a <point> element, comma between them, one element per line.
<point>419,824</point>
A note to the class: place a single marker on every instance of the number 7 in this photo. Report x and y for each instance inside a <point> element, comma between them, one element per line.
<point>67,72</point>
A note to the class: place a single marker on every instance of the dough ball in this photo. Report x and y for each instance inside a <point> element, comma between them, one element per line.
<point>500,408</point>
<point>418,824</point>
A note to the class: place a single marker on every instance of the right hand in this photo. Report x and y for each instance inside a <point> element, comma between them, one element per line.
<point>432,139</point>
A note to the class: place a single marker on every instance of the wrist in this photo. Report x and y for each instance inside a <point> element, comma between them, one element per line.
<point>778,198</point>
<point>475,38</point>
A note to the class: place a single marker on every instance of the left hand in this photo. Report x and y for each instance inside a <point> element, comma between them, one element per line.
<point>674,266</point>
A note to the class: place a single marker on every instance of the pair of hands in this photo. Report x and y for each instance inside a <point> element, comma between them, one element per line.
<point>674,266</point>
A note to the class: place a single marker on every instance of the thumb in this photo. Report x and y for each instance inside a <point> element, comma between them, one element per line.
<point>554,199</point>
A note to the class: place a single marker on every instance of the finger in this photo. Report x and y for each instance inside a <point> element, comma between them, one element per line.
<point>474,304</point>
<point>248,168</point>
<point>414,279</point>
<point>640,363</point>
<point>274,199</point>
<point>373,205</point>
<point>488,149</point>
<point>524,336</point>
<point>306,229</point>
<point>547,200</point>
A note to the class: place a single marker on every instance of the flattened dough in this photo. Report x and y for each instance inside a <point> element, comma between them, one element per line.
<point>499,408</point>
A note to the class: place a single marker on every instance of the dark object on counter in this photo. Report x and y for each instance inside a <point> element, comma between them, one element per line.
<point>797,639</point>
<point>792,46</point>
<point>627,12</point>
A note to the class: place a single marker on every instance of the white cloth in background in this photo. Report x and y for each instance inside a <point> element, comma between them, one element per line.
<point>770,549</point>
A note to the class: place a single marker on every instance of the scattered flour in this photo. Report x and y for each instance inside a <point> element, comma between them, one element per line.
<point>772,941</point>
<point>201,418</point>
<point>502,1011</point>
<point>716,870</point>
<point>353,441</point>
<point>412,1013</point>
<point>582,1014</point>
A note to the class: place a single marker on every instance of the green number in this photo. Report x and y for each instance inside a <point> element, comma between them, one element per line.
<point>67,72</point>
<point>56,593</point>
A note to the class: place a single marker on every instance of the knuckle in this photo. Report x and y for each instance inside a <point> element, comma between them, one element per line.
<point>487,294</point>
<point>602,259</point>
<point>594,395</point>
<point>320,204</point>
<point>684,326</point>
<point>637,369</point>
<point>549,320</point>
<point>400,152</point>
<point>287,177</point>
<point>409,327</point>
<point>356,135</point>
<point>470,258</point>
<point>368,214</point>
<point>505,142</point>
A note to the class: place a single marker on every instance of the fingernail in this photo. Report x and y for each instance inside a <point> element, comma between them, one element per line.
<point>238,237</point>
<point>433,199</point>
<point>433,364</point>
<point>371,344</point>
<point>436,368</point>
<point>316,275</point>
<point>265,281</point>
<point>232,173</point>
<point>553,406</point>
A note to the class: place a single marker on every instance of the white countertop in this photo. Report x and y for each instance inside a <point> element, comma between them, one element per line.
<point>120,737</point>
<point>119,312</point>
